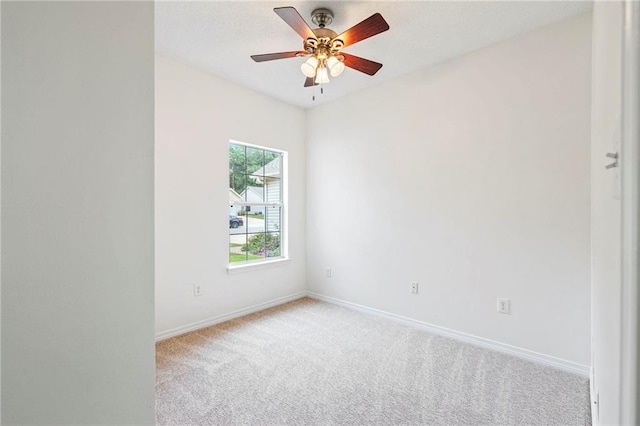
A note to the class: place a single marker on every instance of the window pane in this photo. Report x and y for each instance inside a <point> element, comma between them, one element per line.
<point>256,181</point>
<point>237,159</point>
<point>238,183</point>
<point>237,248</point>
<point>255,218</point>
<point>273,190</point>
<point>272,244</point>
<point>273,164</point>
<point>272,219</point>
<point>254,194</point>
<point>256,246</point>
<point>273,167</point>
<point>237,221</point>
<point>255,161</point>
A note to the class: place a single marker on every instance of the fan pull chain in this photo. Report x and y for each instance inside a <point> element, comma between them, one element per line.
<point>314,85</point>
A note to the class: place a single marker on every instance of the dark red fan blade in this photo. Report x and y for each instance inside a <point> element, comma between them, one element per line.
<point>291,16</point>
<point>374,24</point>
<point>272,56</point>
<point>309,82</point>
<point>360,64</point>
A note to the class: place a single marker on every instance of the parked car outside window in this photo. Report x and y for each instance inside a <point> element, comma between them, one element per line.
<point>235,221</point>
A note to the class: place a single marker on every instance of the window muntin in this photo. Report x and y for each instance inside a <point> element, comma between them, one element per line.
<point>256,203</point>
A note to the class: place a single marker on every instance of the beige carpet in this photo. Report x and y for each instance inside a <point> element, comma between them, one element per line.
<point>313,363</point>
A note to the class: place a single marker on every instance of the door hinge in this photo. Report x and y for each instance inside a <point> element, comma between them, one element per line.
<point>613,155</point>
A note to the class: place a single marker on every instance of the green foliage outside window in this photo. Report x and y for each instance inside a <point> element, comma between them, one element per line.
<point>264,245</point>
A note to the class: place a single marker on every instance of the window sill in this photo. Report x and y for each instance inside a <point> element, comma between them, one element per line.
<point>246,267</point>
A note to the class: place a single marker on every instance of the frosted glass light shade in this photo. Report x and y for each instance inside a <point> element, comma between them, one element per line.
<point>309,67</point>
<point>322,77</point>
<point>335,66</point>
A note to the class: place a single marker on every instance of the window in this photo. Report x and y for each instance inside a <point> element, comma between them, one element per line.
<point>256,183</point>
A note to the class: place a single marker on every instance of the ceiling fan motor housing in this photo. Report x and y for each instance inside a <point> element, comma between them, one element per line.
<point>323,41</point>
<point>322,17</point>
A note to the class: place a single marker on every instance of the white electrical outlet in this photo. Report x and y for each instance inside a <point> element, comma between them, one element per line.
<point>414,287</point>
<point>328,271</point>
<point>504,306</point>
<point>197,290</point>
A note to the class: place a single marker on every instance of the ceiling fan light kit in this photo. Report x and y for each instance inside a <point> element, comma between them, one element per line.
<point>335,65</point>
<point>322,77</point>
<point>309,67</point>
<point>323,46</point>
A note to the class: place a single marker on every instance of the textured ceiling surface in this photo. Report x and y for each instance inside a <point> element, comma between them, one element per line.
<point>219,37</point>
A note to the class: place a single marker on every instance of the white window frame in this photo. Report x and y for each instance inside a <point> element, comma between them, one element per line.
<point>284,228</point>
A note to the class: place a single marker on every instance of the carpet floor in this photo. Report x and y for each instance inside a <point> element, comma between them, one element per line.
<point>313,363</point>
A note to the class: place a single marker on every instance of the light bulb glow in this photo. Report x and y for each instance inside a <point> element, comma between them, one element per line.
<point>322,76</point>
<point>309,67</point>
<point>335,66</point>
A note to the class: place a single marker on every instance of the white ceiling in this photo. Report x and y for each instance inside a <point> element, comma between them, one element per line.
<point>219,37</point>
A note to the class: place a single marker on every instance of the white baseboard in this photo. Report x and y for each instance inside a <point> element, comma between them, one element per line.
<point>228,316</point>
<point>551,361</point>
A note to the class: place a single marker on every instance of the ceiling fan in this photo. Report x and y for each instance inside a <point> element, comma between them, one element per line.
<point>324,47</point>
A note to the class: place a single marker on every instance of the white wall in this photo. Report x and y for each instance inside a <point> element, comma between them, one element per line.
<point>77,222</point>
<point>196,116</point>
<point>471,177</point>
<point>605,212</point>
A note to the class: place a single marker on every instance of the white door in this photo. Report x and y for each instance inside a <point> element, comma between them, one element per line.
<point>615,211</point>
<point>606,284</point>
